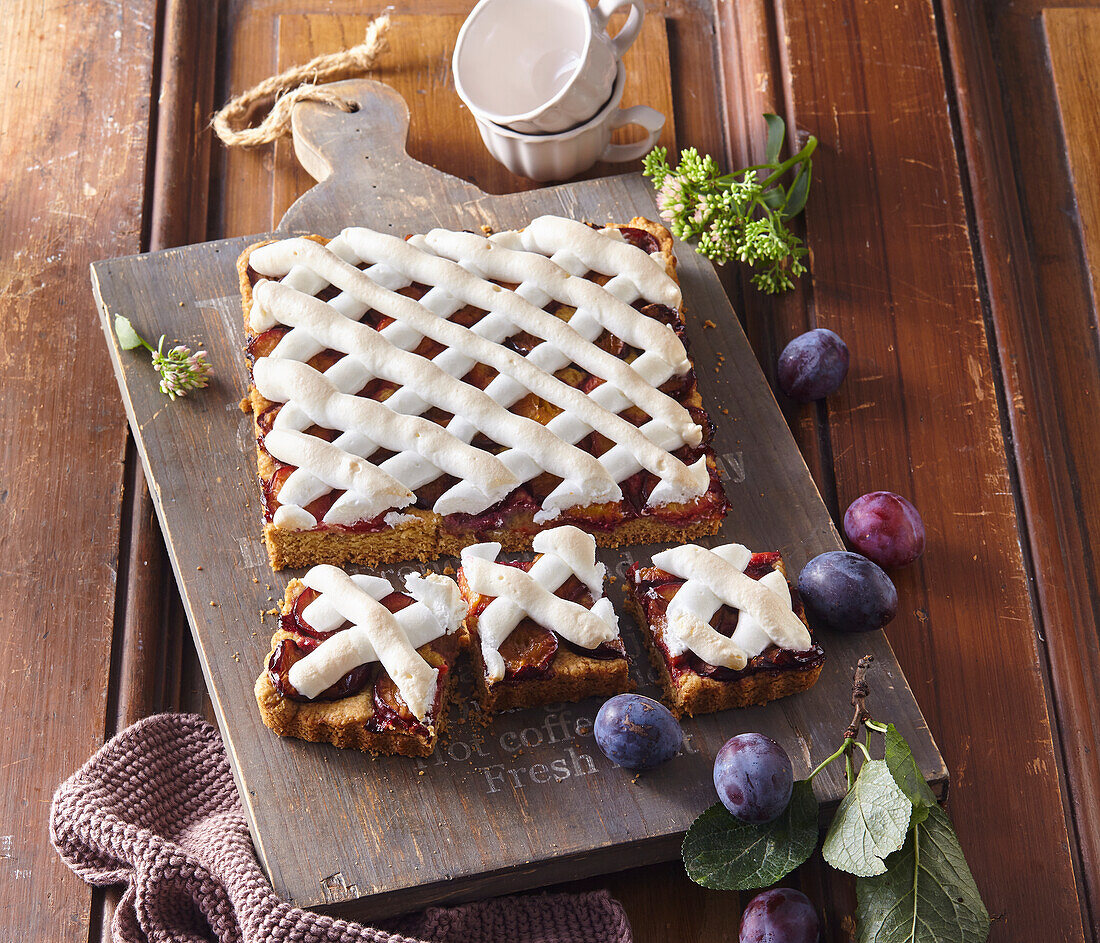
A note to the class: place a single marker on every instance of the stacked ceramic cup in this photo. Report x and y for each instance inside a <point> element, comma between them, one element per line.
<point>544,79</point>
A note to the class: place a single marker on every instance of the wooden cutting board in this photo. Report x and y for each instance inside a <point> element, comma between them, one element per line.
<point>527,800</point>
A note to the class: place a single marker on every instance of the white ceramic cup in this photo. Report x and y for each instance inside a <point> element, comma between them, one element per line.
<point>561,156</point>
<point>540,66</point>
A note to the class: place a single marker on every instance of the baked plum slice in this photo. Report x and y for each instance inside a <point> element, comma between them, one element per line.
<point>390,710</point>
<point>528,651</point>
<point>641,239</point>
<point>288,651</point>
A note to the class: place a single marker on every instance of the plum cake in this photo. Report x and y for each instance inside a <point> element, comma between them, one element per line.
<point>542,631</point>
<point>358,664</point>
<point>723,627</point>
<point>412,397</point>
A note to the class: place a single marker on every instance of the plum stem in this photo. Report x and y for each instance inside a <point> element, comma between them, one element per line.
<point>860,692</point>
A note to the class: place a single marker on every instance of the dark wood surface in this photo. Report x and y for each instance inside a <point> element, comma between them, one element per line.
<point>485,815</point>
<point>86,106</point>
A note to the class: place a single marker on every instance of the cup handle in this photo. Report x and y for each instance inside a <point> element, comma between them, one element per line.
<point>625,39</point>
<point>649,118</point>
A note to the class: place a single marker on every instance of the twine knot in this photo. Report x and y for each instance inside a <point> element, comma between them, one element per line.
<point>297,84</point>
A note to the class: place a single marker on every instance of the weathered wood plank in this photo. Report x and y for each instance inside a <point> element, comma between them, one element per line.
<point>483,823</point>
<point>1043,315</point>
<point>893,274</point>
<point>73,129</point>
<point>1073,39</point>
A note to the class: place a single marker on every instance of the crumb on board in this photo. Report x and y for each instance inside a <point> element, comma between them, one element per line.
<point>486,229</point>
<point>708,323</point>
<point>198,568</point>
<point>214,604</point>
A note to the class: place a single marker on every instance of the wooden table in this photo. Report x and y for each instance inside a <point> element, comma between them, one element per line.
<point>953,226</point>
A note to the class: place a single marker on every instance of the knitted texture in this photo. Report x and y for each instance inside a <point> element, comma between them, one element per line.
<point>156,809</point>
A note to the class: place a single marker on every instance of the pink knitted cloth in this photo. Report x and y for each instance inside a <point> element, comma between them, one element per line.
<point>156,809</point>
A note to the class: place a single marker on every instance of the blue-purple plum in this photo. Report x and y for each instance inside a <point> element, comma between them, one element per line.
<point>846,592</point>
<point>781,915</point>
<point>637,732</point>
<point>754,778</point>
<point>813,365</point>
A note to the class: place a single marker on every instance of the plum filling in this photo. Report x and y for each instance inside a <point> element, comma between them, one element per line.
<point>269,492</point>
<point>288,651</point>
<point>513,513</point>
<point>529,650</point>
<point>390,712</point>
<point>656,588</point>
<point>642,239</point>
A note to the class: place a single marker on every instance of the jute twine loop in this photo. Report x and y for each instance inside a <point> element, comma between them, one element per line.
<point>304,84</point>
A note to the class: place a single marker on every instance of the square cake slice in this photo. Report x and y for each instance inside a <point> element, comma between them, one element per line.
<point>723,627</point>
<point>412,397</point>
<point>542,631</point>
<point>357,663</point>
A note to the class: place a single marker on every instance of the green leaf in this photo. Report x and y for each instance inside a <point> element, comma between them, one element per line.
<point>777,129</point>
<point>774,198</point>
<point>724,854</point>
<point>799,191</point>
<point>869,824</point>
<point>904,770</point>
<point>927,894</point>
<point>128,338</point>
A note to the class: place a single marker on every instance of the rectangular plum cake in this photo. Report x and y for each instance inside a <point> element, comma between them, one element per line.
<point>358,664</point>
<point>542,631</point>
<point>412,397</point>
<point>723,627</point>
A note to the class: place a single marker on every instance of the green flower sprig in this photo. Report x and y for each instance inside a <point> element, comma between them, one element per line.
<point>180,370</point>
<point>740,215</point>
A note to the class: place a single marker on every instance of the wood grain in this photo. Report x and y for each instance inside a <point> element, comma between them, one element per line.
<point>73,145</point>
<point>481,824</point>
<point>894,274</point>
<point>1073,40</point>
<point>1043,314</point>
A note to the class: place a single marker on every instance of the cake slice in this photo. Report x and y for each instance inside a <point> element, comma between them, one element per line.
<point>414,397</point>
<point>723,627</point>
<point>542,631</point>
<point>358,664</point>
